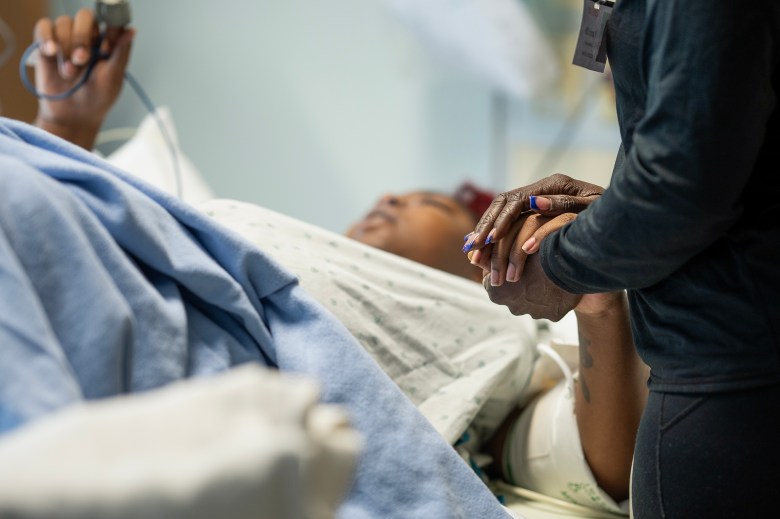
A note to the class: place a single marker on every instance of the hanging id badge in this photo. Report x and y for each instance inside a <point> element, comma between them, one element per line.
<point>591,51</point>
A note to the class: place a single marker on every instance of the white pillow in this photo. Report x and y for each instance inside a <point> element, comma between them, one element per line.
<point>147,156</point>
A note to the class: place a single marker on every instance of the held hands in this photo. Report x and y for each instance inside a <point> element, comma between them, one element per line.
<point>531,292</point>
<point>508,236</point>
<point>565,195</point>
<point>556,196</point>
<point>66,47</point>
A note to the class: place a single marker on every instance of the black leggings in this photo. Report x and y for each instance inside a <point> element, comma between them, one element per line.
<point>708,456</point>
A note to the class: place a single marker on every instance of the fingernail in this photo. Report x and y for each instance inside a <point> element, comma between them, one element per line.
<point>532,203</point>
<point>469,244</point>
<point>67,70</point>
<point>475,256</point>
<point>495,278</point>
<point>50,48</point>
<point>80,56</point>
<point>539,203</point>
<point>511,273</point>
<point>529,247</point>
<point>490,237</point>
<point>465,238</point>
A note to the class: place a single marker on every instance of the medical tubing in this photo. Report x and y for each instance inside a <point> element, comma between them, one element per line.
<point>553,355</point>
<point>63,95</point>
<point>134,84</point>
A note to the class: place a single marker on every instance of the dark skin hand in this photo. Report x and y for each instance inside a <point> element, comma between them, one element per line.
<point>512,258</point>
<point>557,195</point>
<point>65,48</point>
<point>535,295</point>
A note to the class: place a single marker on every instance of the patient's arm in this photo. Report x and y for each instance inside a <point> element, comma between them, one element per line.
<point>609,395</point>
<point>610,392</point>
<point>65,48</point>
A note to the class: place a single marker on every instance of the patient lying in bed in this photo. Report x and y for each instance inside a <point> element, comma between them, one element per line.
<point>463,361</point>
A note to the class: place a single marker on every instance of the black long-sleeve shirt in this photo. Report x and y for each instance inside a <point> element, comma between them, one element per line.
<point>690,223</point>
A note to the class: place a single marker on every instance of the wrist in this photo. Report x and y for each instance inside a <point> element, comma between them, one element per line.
<point>601,305</point>
<point>81,134</point>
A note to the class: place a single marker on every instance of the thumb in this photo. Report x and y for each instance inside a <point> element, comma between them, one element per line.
<point>531,245</point>
<point>120,56</point>
<point>551,205</point>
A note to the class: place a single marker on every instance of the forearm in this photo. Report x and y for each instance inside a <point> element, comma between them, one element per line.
<point>80,135</point>
<point>610,395</point>
<point>708,72</point>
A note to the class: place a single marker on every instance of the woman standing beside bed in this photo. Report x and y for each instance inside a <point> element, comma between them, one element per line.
<point>690,227</point>
<point>444,318</point>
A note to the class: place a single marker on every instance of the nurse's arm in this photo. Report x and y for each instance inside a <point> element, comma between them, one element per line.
<point>682,184</point>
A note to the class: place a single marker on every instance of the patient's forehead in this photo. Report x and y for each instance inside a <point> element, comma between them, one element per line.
<point>448,201</point>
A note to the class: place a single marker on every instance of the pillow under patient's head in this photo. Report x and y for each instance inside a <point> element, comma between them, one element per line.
<point>148,156</point>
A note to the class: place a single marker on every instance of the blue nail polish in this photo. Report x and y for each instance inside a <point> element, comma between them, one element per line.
<point>489,239</point>
<point>532,201</point>
<point>466,238</point>
<point>468,246</point>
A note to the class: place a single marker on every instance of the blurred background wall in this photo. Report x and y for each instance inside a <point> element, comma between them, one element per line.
<point>315,109</point>
<point>17,19</point>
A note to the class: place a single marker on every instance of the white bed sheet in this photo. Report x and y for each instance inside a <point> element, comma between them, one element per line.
<point>461,359</point>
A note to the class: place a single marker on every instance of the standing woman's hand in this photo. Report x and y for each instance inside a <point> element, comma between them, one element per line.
<point>504,257</point>
<point>66,46</point>
<point>565,194</point>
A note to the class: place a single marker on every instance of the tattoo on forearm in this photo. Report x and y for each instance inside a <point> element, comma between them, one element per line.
<point>586,362</point>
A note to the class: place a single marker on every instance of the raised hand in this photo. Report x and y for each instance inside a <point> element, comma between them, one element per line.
<point>66,47</point>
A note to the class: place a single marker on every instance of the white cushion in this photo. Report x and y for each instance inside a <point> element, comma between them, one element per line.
<point>148,156</point>
<point>250,443</point>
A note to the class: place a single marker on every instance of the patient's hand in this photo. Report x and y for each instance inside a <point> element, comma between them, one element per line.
<point>528,290</point>
<point>65,48</point>
<point>534,294</point>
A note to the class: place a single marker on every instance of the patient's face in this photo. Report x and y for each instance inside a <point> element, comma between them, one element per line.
<point>421,226</point>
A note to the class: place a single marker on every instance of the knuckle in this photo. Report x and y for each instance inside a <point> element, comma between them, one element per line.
<point>515,195</point>
<point>560,178</point>
<point>566,203</point>
<point>534,219</point>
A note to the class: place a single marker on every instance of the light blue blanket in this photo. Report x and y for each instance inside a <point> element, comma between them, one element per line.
<point>109,286</point>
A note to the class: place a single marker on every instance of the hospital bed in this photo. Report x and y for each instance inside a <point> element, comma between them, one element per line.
<point>448,401</point>
<point>454,384</point>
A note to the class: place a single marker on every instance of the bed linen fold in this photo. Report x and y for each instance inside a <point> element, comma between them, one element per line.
<point>110,286</point>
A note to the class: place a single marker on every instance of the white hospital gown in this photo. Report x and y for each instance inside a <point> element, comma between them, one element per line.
<point>436,335</point>
<point>462,360</point>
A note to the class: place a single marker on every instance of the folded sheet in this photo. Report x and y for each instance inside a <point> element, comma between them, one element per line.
<point>247,444</point>
<point>110,286</point>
